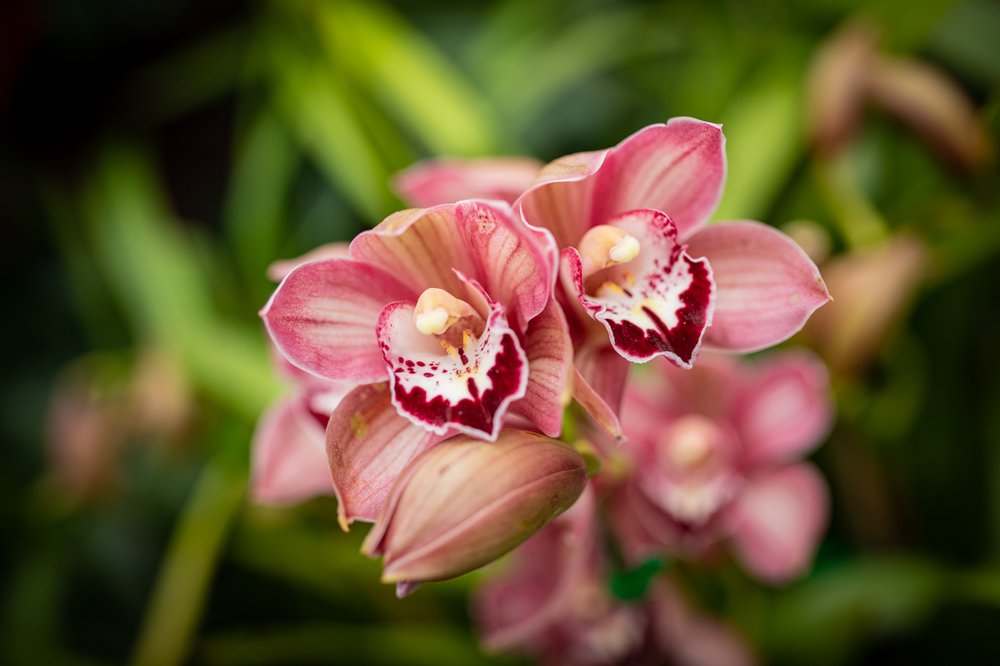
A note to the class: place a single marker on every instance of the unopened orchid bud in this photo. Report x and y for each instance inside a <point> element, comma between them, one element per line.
<point>464,503</point>
<point>837,82</point>
<point>934,106</point>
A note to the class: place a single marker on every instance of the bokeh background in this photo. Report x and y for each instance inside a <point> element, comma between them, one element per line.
<point>156,156</point>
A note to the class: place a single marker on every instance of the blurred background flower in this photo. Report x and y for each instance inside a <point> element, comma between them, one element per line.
<point>157,157</point>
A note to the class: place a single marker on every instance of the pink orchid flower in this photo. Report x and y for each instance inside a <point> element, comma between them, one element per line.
<point>715,457</point>
<point>638,259</point>
<point>435,182</point>
<point>442,318</point>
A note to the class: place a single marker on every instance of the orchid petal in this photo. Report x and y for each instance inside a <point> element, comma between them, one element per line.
<point>560,201</point>
<point>289,464</point>
<point>438,386</point>
<point>441,181</point>
<point>281,268</point>
<point>550,362</point>
<point>599,384</point>
<point>368,445</point>
<point>480,239</point>
<point>784,410</point>
<point>322,318</point>
<point>658,304</point>
<point>777,522</point>
<point>678,168</point>
<point>766,285</point>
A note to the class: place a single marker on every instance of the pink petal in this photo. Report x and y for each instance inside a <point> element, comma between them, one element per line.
<point>678,168</point>
<point>279,269</point>
<point>658,304</point>
<point>442,181</point>
<point>690,637</point>
<point>784,409</point>
<point>467,388</point>
<point>368,445</point>
<point>561,199</point>
<point>550,362</point>
<point>322,318</point>
<point>766,285</point>
<point>777,522</point>
<point>599,384</point>
<point>480,239</point>
<point>289,461</point>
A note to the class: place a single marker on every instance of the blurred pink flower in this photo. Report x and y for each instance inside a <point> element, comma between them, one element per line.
<point>288,454</point>
<point>441,181</point>
<point>442,320</point>
<point>714,455</point>
<point>553,602</point>
<point>465,503</point>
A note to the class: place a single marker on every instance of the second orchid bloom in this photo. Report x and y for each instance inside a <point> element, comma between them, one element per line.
<point>472,321</point>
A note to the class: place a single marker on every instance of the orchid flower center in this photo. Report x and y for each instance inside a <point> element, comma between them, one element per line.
<point>690,443</point>
<point>453,321</point>
<point>604,246</point>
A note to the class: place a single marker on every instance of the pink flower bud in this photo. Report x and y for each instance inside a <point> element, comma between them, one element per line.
<point>465,503</point>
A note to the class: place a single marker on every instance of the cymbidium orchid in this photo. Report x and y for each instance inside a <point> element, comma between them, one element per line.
<point>465,503</point>
<point>443,320</point>
<point>715,457</point>
<point>641,274</point>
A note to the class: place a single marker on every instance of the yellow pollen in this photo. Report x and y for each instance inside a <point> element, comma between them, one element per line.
<point>450,348</point>
<point>612,287</point>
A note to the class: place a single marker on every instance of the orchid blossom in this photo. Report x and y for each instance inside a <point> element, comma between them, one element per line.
<point>442,318</point>
<point>715,457</point>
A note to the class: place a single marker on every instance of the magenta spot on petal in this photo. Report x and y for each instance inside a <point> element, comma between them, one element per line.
<point>682,338</point>
<point>478,412</point>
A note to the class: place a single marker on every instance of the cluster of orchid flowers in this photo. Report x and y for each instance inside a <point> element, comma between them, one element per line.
<point>437,358</point>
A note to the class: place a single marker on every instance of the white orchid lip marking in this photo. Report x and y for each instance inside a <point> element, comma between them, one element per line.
<point>450,366</point>
<point>604,246</point>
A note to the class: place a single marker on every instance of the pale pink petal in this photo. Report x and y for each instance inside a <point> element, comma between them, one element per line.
<point>658,304</point>
<point>785,409</point>
<point>322,318</point>
<point>561,199</point>
<point>466,387</point>
<point>483,240</point>
<point>288,454</point>
<point>436,182</point>
<point>279,269</point>
<point>367,447</point>
<point>421,247</point>
<point>550,362</point>
<point>766,286</point>
<point>777,521</point>
<point>595,405</point>
<point>678,168</point>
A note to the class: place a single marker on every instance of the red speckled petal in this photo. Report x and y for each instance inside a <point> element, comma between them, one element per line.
<point>467,388</point>
<point>660,303</point>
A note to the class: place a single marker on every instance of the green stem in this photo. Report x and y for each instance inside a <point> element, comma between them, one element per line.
<point>182,583</point>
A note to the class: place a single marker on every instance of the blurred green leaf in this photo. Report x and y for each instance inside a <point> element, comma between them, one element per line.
<point>416,81</point>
